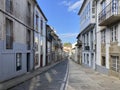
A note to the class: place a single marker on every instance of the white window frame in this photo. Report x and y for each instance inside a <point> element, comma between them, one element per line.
<point>116,59</point>
<point>114,33</point>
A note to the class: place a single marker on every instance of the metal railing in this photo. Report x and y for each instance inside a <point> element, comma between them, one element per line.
<point>113,8</point>
<point>79,43</point>
<point>87,48</point>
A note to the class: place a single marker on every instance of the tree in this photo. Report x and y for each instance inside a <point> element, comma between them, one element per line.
<point>67,44</point>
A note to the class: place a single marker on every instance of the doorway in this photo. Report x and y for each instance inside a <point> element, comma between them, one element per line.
<point>41,60</point>
<point>92,59</point>
<point>28,62</point>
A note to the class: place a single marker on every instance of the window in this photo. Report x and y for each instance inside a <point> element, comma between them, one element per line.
<point>18,61</point>
<point>103,62</point>
<point>103,36</point>
<point>84,40</point>
<point>115,6</point>
<point>91,40</point>
<point>29,14</point>
<point>36,41</point>
<point>9,34</point>
<point>29,8</point>
<point>103,5</point>
<point>114,33</point>
<point>37,20</point>
<point>89,9</point>
<point>48,47</point>
<point>28,39</point>
<point>87,40</point>
<point>93,7</point>
<point>36,59</point>
<point>115,63</point>
<point>84,58</point>
<point>41,27</point>
<point>85,14</point>
<point>41,43</point>
<point>9,7</point>
<point>87,58</point>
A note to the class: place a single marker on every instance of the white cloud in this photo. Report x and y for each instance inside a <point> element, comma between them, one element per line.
<point>66,3</point>
<point>75,6</point>
<point>68,35</point>
<point>72,6</point>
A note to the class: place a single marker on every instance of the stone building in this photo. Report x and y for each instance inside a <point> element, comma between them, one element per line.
<point>20,42</point>
<point>49,45</point>
<point>16,37</point>
<point>60,49</point>
<point>100,35</point>
<point>108,37</point>
<point>57,48</point>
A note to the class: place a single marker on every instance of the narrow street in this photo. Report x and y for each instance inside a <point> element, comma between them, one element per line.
<point>60,45</point>
<point>79,78</point>
<point>50,80</point>
<point>83,78</point>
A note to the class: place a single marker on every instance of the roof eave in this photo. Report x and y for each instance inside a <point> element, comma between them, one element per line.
<point>41,10</point>
<point>82,7</point>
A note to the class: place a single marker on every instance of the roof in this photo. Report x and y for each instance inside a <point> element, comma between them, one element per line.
<point>48,28</point>
<point>40,10</point>
<point>83,4</point>
<point>78,35</point>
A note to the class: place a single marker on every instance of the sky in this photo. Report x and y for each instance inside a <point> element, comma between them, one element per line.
<point>63,16</point>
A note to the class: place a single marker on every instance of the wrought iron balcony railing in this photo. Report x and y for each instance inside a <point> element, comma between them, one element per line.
<point>87,48</point>
<point>110,14</point>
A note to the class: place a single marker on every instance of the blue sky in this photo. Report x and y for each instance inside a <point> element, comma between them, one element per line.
<point>62,15</point>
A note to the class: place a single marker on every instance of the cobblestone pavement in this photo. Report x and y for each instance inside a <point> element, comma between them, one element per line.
<point>50,80</point>
<point>83,78</point>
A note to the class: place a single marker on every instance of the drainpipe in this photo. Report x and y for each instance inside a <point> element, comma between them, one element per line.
<point>46,43</point>
<point>34,47</point>
<point>33,40</point>
<point>96,35</point>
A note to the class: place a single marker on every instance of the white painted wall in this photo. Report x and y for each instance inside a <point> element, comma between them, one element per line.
<point>42,38</point>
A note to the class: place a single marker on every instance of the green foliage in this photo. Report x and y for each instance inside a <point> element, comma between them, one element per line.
<point>67,44</point>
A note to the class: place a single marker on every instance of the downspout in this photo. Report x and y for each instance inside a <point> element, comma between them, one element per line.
<point>33,39</point>
<point>96,36</point>
<point>46,46</point>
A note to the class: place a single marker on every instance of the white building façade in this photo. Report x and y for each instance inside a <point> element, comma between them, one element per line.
<point>87,32</point>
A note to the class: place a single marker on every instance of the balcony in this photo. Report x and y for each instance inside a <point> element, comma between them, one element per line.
<point>49,36</point>
<point>79,43</point>
<point>87,48</point>
<point>55,43</point>
<point>109,15</point>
